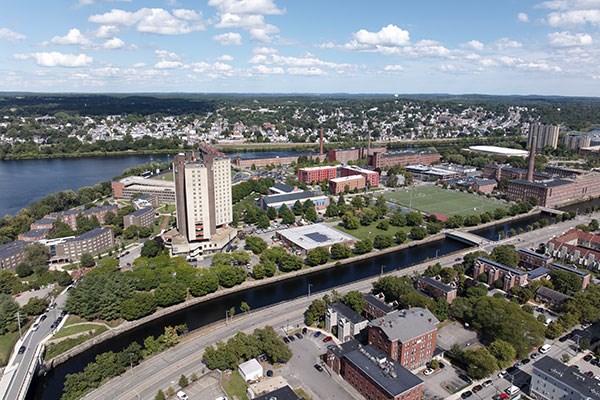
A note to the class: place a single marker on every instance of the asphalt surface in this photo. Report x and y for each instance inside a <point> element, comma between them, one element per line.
<point>31,339</point>
<point>160,371</point>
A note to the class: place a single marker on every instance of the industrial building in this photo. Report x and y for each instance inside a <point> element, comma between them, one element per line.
<point>309,237</point>
<point>277,200</point>
<point>402,159</point>
<point>354,154</point>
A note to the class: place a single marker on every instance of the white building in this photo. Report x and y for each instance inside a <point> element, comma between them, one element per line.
<point>251,370</point>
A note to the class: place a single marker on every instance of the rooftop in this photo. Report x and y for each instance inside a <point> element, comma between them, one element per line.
<point>359,169</point>
<point>389,375</point>
<point>586,386</point>
<point>552,294</point>
<point>317,168</point>
<point>282,187</point>
<point>499,150</point>
<point>250,367</point>
<point>405,325</point>
<point>543,184</point>
<point>537,273</point>
<point>437,284</point>
<point>568,269</point>
<point>142,211</point>
<point>347,312</point>
<point>10,248</point>
<point>373,300</point>
<point>90,234</point>
<point>501,266</point>
<point>312,236</point>
<point>280,198</point>
<point>348,179</point>
<point>534,254</point>
<point>284,393</point>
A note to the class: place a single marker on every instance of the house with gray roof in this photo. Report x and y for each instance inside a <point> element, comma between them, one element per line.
<point>553,380</point>
<point>346,321</point>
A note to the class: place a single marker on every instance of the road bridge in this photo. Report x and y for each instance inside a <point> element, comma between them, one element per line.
<point>468,238</point>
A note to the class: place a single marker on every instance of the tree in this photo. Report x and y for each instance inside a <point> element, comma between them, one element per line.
<point>263,221</point>
<point>418,232</point>
<point>400,237</point>
<point>340,251</point>
<point>315,312</point>
<point>354,299</point>
<point>160,395</point>
<point>383,225</point>
<point>297,208</point>
<point>317,256</point>
<point>382,241</point>
<point>332,210</point>
<point>311,214</point>
<point>350,221</point>
<point>287,216</point>
<point>503,351</point>
<point>480,363</point>
<point>363,246</point>
<point>393,287</point>
<point>414,219</point>
<point>183,381</point>
<point>138,306</point>
<point>229,275</point>
<point>23,269</point>
<point>271,213</point>
<point>255,244</point>
<point>506,254</point>
<point>565,282</point>
<point>35,306</point>
<point>398,219</point>
<point>244,307</point>
<point>434,227</point>
<point>37,255</point>
<point>167,294</point>
<point>87,260</point>
<point>152,247</point>
<point>206,282</point>
<point>357,202</point>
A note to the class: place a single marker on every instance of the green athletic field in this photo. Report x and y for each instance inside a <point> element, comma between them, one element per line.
<point>432,199</point>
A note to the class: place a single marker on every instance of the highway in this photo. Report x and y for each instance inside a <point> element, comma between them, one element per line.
<point>17,374</point>
<point>164,370</point>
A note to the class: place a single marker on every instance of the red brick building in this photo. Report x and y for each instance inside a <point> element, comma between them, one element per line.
<point>339,185</point>
<point>529,259</point>
<point>505,171</point>
<point>373,374</point>
<point>406,336</point>
<point>353,154</point>
<point>436,289</point>
<point>316,174</point>
<point>383,161</point>
<point>375,307</point>
<point>511,277</point>
<point>371,177</point>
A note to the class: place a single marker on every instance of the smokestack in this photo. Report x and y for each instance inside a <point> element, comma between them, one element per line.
<point>532,157</point>
<point>321,142</point>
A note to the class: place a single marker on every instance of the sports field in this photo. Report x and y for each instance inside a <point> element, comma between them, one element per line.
<point>432,199</point>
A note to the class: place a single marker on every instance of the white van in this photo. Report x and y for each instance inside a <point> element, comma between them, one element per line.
<point>545,348</point>
<point>512,390</point>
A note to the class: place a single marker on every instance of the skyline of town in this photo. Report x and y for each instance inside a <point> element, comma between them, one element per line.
<point>275,46</point>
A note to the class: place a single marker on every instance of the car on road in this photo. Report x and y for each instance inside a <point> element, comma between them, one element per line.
<point>327,339</point>
<point>428,371</point>
<point>501,396</point>
<point>53,305</point>
<point>588,357</point>
<point>35,326</point>
<point>476,388</point>
<point>43,317</point>
<point>317,334</point>
<point>441,365</point>
<point>299,335</point>
<point>318,368</point>
<point>545,348</point>
<point>181,395</point>
<point>22,349</point>
<point>589,374</point>
<point>331,346</point>
<point>487,383</point>
<point>466,395</point>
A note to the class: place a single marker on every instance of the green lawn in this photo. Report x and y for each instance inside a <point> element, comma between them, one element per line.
<point>430,199</point>
<point>7,342</point>
<point>73,329</point>
<point>369,232</point>
<point>235,387</point>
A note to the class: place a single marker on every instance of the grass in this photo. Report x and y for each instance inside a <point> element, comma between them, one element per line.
<point>166,208</point>
<point>369,232</point>
<point>235,387</point>
<point>302,393</point>
<point>7,342</point>
<point>72,330</point>
<point>430,199</point>
<point>53,350</point>
<point>73,319</point>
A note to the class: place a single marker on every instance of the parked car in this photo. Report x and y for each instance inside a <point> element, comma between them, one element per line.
<point>487,383</point>
<point>269,373</point>
<point>465,378</point>
<point>299,335</point>
<point>286,340</point>
<point>466,395</point>
<point>589,374</point>
<point>319,368</point>
<point>304,330</point>
<point>588,357</point>
<point>181,395</point>
<point>545,348</point>
<point>534,355</point>
<point>428,371</point>
<point>22,349</point>
<point>476,388</point>
<point>43,317</point>
<point>327,339</point>
<point>292,339</point>
<point>317,334</point>
<point>441,364</point>
<point>502,374</point>
<point>525,361</point>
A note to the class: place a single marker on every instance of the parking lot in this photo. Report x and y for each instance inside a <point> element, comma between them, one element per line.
<point>455,333</point>
<point>300,371</point>
<point>206,387</point>
<point>442,383</point>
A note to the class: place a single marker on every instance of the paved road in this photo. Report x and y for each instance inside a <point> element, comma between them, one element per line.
<point>133,253</point>
<point>164,370</point>
<point>21,362</point>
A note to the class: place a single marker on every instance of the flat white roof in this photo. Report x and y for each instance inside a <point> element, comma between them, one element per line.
<point>250,367</point>
<point>317,168</point>
<point>347,178</point>
<point>312,236</point>
<point>505,151</point>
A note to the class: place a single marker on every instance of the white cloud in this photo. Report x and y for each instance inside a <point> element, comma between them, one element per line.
<point>264,70</point>
<point>167,55</point>
<point>539,66</point>
<point>506,43</point>
<point>229,39</point>
<point>166,64</point>
<point>523,17</point>
<point>12,36</point>
<point>90,2</point>
<point>106,31</point>
<point>225,57</point>
<point>113,44</point>
<point>153,20</point>
<point>258,59</point>
<point>307,60</point>
<point>306,71</point>
<point>474,44</point>
<point>572,12</point>
<point>246,6</point>
<point>264,50</point>
<point>57,59</point>
<point>215,70</point>
<point>393,68</point>
<point>73,37</point>
<point>567,39</point>
<point>388,36</point>
<point>327,45</point>
<point>139,65</point>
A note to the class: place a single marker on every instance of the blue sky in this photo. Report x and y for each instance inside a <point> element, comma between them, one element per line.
<point>307,46</point>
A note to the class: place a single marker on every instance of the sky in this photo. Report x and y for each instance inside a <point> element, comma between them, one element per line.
<point>301,46</point>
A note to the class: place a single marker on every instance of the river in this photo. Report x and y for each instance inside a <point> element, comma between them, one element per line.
<point>25,181</point>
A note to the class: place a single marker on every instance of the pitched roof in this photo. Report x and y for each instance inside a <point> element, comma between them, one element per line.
<point>405,325</point>
<point>374,301</point>
<point>347,312</point>
<point>552,294</point>
<point>437,284</point>
<point>501,266</point>
<point>587,387</point>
